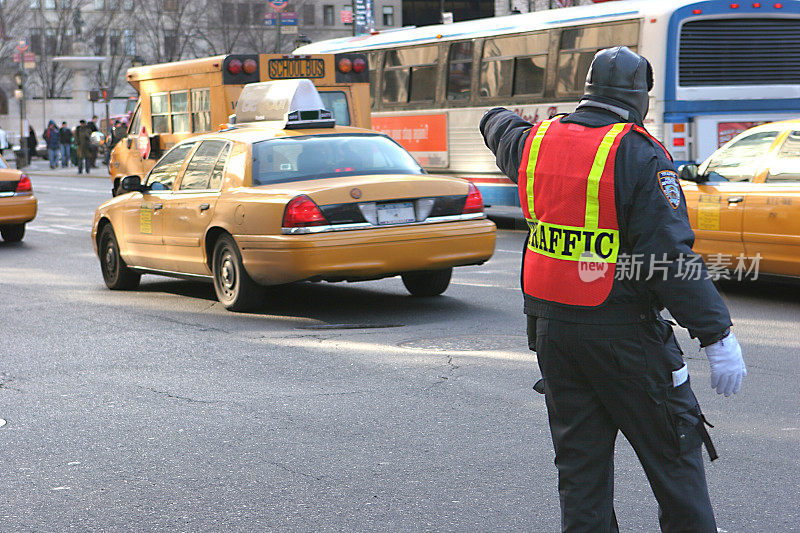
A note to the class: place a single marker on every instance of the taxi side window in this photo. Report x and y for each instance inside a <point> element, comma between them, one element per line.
<point>786,166</point>
<point>219,168</point>
<point>741,160</point>
<point>198,171</point>
<point>164,173</point>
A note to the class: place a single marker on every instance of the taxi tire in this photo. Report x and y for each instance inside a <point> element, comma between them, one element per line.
<point>235,289</point>
<point>427,282</point>
<point>116,273</point>
<point>12,232</point>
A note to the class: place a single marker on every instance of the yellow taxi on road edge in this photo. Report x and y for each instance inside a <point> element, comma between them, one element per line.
<point>285,195</point>
<point>744,200</point>
<point>17,203</point>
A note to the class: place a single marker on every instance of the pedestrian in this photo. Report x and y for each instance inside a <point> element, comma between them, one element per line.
<point>3,140</point>
<point>32,142</point>
<point>93,149</point>
<point>65,138</point>
<point>596,189</point>
<point>117,134</point>
<point>51,137</point>
<point>82,146</point>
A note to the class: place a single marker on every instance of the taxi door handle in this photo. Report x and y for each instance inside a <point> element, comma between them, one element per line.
<point>735,199</point>
<point>203,207</point>
<point>156,207</point>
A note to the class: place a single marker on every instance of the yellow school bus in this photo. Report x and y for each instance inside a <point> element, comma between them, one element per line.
<point>185,98</point>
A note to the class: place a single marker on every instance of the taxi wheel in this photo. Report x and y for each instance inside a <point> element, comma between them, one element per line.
<point>116,273</point>
<point>234,287</point>
<point>13,232</point>
<point>427,282</point>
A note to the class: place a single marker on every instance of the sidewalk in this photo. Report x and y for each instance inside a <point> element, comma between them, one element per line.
<point>41,167</point>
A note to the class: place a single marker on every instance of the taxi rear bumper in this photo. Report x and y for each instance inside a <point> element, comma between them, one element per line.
<point>366,254</point>
<point>17,209</point>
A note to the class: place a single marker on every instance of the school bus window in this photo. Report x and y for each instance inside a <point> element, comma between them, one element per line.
<point>409,74</point>
<point>578,46</point>
<point>336,103</point>
<point>459,71</point>
<point>159,111</point>
<point>198,171</point>
<point>201,110</point>
<point>135,124</point>
<point>179,106</point>
<point>372,58</point>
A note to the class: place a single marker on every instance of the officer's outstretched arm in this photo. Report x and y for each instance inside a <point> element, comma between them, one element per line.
<point>505,133</point>
<point>659,234</point>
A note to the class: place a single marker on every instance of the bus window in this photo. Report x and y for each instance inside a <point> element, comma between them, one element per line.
<point>201,110</point>
<point>135,124</point>
<point>159,112</point>
<point>578,46</point>
<point>514,65</point>
<point>336,103</point>
<point>179,107</point>
<point>459,71</point>
<point>373,58</point>
<point>409,74</point>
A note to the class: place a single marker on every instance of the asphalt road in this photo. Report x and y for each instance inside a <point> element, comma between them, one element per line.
<point>335,407</point>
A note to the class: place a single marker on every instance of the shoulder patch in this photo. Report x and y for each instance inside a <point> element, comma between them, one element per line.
<point>668,181</point>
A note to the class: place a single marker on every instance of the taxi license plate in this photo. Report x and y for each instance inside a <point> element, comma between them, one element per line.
<point>397,213</point>
<point>284,69</point>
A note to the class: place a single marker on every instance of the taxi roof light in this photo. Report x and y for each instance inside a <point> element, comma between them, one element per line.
<point>301,212</point>
<point>285,104</point>
<point>24,184</point>
<point>474,203</point>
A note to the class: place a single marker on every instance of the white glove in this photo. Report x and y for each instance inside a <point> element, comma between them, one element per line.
<point>727,365</point>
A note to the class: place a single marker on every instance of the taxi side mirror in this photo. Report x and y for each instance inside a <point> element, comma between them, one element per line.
<point>689,173</point>
<point>132,183</point>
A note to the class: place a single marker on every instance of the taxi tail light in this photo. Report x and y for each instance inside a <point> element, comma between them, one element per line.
<point>474,203</point>
<point>24,184</point>
<point>301,211</point>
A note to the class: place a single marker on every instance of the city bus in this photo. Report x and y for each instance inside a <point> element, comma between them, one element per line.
<point>720,67</point>
<point>185,98</point>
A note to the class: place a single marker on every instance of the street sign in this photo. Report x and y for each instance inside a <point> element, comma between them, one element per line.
<point>278,5</point>
<point>289,30</point>
<point>347,16</point>
<point>270,18</point>
<point>17,56</point>
<point>28,60</point>
<point>289,18</point>
<point>22,44</point>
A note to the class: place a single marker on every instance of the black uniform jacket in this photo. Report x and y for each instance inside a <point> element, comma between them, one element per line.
<point>649,226</point>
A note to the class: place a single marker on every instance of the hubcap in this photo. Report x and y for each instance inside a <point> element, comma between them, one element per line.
<point>110,258</point>
<point>227,274</point>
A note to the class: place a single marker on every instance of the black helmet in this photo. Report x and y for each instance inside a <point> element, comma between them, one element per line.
<point>619,77</point>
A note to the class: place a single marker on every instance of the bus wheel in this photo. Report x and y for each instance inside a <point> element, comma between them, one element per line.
<point>427,282</point>
<point>234,287</point>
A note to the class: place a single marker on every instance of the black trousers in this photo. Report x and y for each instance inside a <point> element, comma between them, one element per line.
<point>601,379</point>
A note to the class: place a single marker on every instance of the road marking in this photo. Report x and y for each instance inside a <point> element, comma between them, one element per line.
<point>509,251</point>
<point>346,346</point>
<point>483,285</point>
<point>45,229</point>
<point>45,188</point>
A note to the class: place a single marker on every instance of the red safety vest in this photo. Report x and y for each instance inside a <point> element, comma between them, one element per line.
<point>566,189</point>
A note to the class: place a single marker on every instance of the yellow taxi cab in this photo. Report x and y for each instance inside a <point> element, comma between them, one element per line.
<point>17,203</point>
<point>744,200</point>
<point>286,195</point>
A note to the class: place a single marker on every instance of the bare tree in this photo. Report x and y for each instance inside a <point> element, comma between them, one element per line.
<point>167,27</point>
<point>106,27</point>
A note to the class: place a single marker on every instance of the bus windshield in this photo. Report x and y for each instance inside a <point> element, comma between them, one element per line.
<point>325,156</point>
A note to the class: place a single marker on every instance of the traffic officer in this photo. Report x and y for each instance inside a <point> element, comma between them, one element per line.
<point>600,194</point>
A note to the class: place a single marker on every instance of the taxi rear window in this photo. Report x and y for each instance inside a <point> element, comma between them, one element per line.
<point>326,156</point>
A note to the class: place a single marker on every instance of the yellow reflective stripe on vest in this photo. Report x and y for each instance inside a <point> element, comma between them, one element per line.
<point>593,185</point>
<point>532,157</point>
<point>570,242</point>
